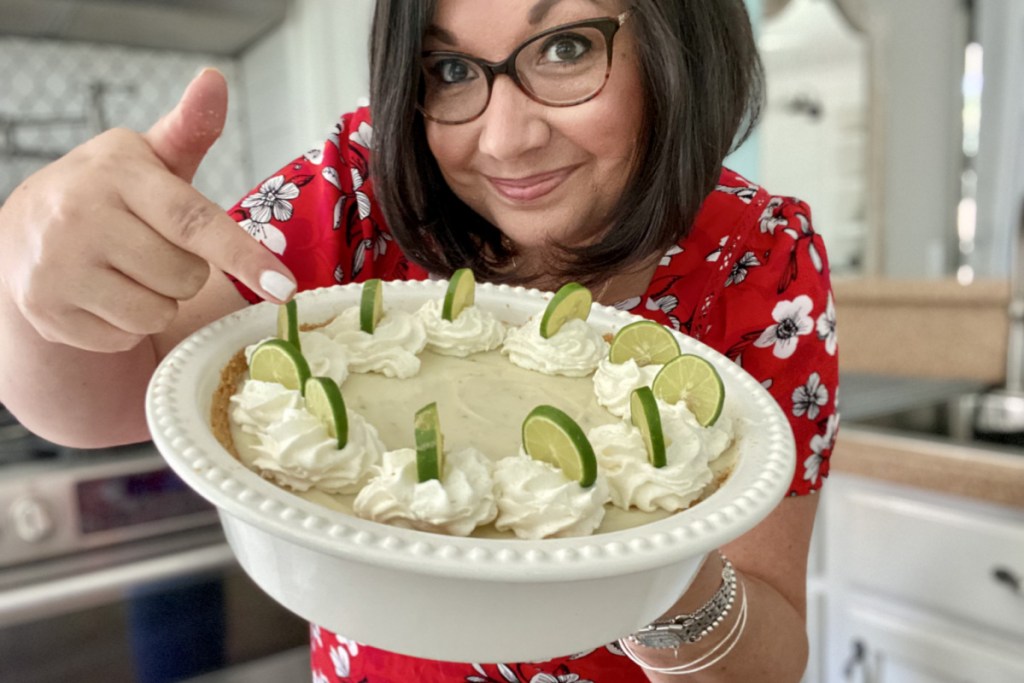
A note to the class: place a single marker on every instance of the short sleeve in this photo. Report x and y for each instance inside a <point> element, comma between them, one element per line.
<point>318,214</point>
<point>777,303</point>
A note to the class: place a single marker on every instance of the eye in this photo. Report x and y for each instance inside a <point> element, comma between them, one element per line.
<point>565,47</point>
<point>452,71</point>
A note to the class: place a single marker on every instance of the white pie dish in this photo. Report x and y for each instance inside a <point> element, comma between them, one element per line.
<point>444,597</point>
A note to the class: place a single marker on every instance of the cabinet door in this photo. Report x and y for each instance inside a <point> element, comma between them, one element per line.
<point>937,553</point>
<point>888,647</point>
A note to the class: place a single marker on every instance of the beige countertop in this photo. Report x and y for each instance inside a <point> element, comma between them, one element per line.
<point>994,475</point>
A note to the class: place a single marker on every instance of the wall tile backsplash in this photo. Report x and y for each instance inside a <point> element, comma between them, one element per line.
<point>55,95</point>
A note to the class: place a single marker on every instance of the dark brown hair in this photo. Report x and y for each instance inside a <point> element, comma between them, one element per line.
<point>703,82</point>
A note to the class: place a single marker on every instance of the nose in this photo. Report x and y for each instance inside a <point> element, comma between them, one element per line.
<point>513,124</point>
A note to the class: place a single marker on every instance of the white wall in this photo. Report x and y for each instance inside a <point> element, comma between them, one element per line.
<point>302,76</point>
<point>1001,156</point>
<point>41,79</point>
<point>811,55</point>
<point>920,57</point>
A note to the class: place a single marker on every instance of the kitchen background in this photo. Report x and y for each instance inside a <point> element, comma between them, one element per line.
<point>900,121</point>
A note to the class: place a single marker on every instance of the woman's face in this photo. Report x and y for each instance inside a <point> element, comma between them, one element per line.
<point>536,172</point>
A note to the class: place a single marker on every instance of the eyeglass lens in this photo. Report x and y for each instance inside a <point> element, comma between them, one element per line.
<point>557,69</point>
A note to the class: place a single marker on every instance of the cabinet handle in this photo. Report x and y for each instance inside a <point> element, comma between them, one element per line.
<point>1008,578</point>
<point>858,653</point>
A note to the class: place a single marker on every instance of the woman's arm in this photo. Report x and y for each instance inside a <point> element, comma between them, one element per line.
<point>771,565</point>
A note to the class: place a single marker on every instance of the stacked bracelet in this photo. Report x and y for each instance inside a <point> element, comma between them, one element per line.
<point>690,628</point>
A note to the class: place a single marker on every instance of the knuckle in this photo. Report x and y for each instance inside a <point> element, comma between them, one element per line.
<point>193,277</point>
<point>191,219</point>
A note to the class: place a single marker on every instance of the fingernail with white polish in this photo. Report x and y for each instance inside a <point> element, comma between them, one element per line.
<point>277,285</point>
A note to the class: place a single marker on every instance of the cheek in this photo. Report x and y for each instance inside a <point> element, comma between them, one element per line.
<point>447,147</point>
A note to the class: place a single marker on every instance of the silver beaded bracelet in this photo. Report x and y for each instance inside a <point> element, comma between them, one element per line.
<point>690,628</point>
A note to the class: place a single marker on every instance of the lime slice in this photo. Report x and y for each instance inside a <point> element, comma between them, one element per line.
<point>276,360</point>
<point>551,436</point>
<point>371,306</point>
<point>646,342</point>
<point>571,301</point>
<point>694,380</point>
<point>288,323</point>
<point>644,413</point>
<point>323,399</point>
<point>460,294</point>
<point>429,443</point>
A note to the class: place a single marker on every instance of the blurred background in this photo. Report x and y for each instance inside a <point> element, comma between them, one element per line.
<point>901,122</point>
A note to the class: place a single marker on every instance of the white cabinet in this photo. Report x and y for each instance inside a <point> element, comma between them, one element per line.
<point>919,587</point>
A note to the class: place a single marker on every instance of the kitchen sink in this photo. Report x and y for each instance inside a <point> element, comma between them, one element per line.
<point>975,418</point>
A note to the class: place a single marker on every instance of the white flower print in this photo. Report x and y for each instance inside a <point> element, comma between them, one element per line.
<point>271,201</point>
<point>745,194</point>
<point>319,677</point>
<point>341,656</point>
<point>334,137</point>
<point>827,327</point>
<point>672,251</point>
<point>377,247</point>
<point>666,304</point>
<point>316,634</point>
<point>629,304</point>
<point>741,268</point>
<point>363,136</point>
<point>330,174</point>
<point>361,199</point>
<point>793,320</point>
<point>809,398</point>
<point>819,444</point>
<point>268,235</point>
<point>717,253</point>
<point>315,156</point>
<point>560,678</point>
<point>812,464</point>
<point>770,220</point>
<point>341,660</point>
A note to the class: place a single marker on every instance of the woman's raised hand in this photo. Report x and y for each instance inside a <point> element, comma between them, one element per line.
<point>98,248</point>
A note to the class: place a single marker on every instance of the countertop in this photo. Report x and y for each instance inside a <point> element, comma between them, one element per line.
<point>984,472</point>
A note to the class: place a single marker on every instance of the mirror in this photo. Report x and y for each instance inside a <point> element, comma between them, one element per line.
<point>875,117</point>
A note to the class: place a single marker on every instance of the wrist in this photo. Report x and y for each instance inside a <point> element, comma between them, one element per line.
<point>692,641</point>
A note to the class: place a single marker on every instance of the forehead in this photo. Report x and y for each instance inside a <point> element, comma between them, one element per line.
<point>486,26</point>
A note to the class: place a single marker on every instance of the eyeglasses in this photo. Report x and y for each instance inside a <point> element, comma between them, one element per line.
<point>561,67</point>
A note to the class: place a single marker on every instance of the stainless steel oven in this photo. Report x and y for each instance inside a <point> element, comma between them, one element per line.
<point>111,569</point>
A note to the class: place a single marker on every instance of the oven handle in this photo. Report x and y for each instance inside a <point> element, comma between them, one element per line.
<point>55,597</point>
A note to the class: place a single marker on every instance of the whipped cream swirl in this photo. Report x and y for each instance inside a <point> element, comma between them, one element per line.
<point>473,331</point>
<point>458,503</point>
<point>614,383</point>
<point>293,447</point>
<point>535,500</point>
<point>326,357</point>
<point>689,450</point>
<point>574,351</point>
<point>392,348</point>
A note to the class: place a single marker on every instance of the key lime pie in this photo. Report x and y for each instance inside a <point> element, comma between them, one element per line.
<point>449,420</point>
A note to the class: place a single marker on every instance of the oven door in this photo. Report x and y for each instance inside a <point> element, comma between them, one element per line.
<point>153,611</point>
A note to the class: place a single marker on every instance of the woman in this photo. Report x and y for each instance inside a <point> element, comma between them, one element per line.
<point>571,139</point>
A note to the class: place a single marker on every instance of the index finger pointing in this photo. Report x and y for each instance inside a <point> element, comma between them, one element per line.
<point>186,218</point>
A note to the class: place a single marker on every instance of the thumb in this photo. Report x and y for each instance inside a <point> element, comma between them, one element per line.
<point>185,134</point>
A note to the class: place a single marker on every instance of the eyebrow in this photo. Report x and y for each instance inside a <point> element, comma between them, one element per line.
<point>534,16</point>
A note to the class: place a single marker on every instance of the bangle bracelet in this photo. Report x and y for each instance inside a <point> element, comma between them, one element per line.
<point>690,628</point>
<point>702,662</point>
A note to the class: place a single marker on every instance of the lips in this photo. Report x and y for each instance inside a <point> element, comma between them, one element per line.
<point>530,188</point>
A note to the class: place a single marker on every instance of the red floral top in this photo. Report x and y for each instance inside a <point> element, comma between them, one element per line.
<point>751,281</point>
